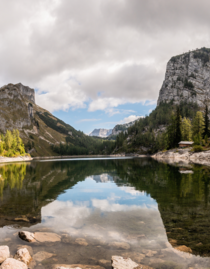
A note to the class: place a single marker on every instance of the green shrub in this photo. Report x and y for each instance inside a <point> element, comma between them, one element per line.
<point>197,148</point>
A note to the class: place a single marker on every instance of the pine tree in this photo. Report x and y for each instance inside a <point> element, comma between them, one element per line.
<point>198,124</point>
<point>186,129</point>
<point>206,122</point>
<point>178,135</point>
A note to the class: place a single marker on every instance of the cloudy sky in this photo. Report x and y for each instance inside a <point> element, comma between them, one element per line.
<point>97,63</point>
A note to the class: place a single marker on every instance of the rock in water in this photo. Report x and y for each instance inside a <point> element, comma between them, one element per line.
<point>13,264</point>
<point>4,253</point>
<point>42,255</point>
<point>120,245</point>
<point>23,255</point>
<point>121,263</point>
<point>41,237</point>
<point>27,236</point>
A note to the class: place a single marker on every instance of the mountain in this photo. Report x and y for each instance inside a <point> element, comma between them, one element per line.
<point>111,133</point>
<point>38,128</point>
<point>187,78</point>
<point>101,132</point>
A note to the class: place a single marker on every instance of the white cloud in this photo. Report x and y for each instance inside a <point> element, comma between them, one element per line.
<point>130,119</point>
<point>75,55</point>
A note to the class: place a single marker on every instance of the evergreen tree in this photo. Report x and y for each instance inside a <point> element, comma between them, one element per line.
<point>178,135</point>
<point>198,124</point>
<point>206,122</point>
<point>186,129</point>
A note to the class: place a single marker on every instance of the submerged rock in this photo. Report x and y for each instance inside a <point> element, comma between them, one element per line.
<point>47,237</point>
<point>81,241</point>
<point>184,249</point>
<point>76,266</point>
<point>121,263</point>
<point>26,236</point>
<point>42,255</point>
<point>23,255</point>
<point>4,253</point>
<point>120,245</point>
<point>13,264</point>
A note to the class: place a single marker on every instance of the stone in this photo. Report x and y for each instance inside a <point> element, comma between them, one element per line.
<point>184,249</point>
<point>81,241</point>
<point>135,256</point>
<point>13,264</point>
<point>29,248</point>
<point>76,266</point>
<point>4,253</point>
<point>26,236</point>
<point>149,253</point>
<point>105,262</point>
<point>119,262</point>
<point>120,245</point>
<point>42,237</point>
<point>42,255</point>
<point>23,255</point>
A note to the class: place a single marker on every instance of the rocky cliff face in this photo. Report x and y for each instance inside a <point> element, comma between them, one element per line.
<point>187,78</point>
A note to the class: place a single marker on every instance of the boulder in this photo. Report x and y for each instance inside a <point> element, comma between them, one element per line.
<point>26,236</point>
<point>23,255</point>
<point>121,263</point>
<point>42,255</point>
<point>120,245</point>
<point>13,264</point>
<point>4,253</point>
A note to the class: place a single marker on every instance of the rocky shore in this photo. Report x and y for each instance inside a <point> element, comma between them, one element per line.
<point>15,159</point>
<point>185,155</point>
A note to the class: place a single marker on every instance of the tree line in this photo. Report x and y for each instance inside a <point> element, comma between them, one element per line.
<point>165,127</point>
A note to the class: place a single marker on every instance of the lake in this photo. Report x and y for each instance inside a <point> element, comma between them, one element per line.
<point>157,214</point>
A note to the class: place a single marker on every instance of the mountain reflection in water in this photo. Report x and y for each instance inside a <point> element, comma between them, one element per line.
<point>138,202</point>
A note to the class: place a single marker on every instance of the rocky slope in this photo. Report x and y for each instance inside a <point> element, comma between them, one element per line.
<point>38,128</point>
<point>187,78</point>
<point>101,132</point>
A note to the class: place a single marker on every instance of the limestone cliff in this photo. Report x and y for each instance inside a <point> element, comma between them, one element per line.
<point>187,78</point>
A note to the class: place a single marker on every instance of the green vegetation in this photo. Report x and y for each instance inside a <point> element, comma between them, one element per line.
<point>197,148</point>
<point>165,127</point>
<point>11,145</point>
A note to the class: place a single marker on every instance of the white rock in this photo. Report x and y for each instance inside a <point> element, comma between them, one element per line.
<point>23,255</point>
<point>4,253</point>
<point>13,264</point>
<point>121,263</point>
<point>27,236</point>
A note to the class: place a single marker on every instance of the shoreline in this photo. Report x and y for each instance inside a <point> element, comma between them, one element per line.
<point>15,159</point>
<point>184,155</point>
<point>28,159</point>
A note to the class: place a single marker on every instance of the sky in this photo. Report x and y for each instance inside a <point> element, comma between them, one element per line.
<point>97,63</point>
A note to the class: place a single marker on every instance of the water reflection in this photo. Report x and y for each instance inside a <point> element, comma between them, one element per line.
<point>137,202</point>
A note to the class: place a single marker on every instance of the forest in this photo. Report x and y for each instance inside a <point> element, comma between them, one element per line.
<point>165,127</point>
